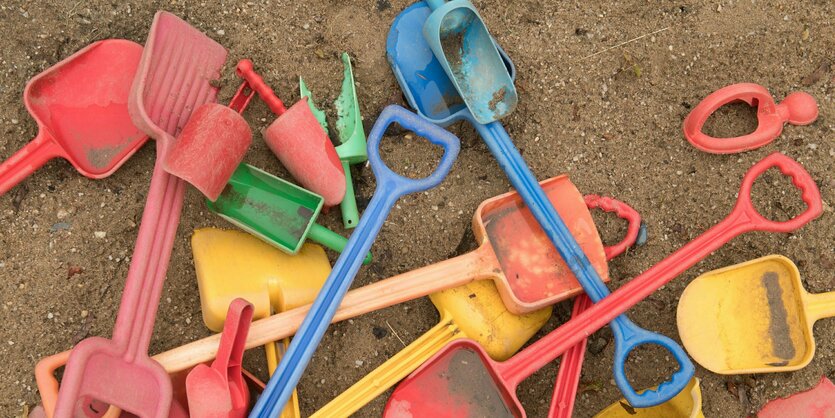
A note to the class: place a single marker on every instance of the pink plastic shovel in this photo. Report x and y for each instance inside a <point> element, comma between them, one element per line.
<point>220,391</point>
<point>175,76</point>
<point>568,377</point>
<point>80,105</point>
<point>300,142</point>
<point>818,402</point>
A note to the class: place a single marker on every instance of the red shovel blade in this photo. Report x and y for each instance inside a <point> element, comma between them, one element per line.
<point>818,402</point>
<point>215,134</point>
<point>304,148</point>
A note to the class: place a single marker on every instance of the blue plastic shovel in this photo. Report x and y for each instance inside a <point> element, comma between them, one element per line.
<point>390,187</point>
<point>459,39</point>
<point>428,89</point>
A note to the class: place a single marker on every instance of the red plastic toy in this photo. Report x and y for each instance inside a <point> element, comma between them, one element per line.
<point>798,108</point>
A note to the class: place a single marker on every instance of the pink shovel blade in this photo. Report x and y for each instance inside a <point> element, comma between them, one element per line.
<point>215,134</point>
<point>220,390</point>
<point>818,402</point>
<point>303,147</point>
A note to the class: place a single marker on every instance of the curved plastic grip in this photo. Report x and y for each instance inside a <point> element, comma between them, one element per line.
<point>246,71</point>
<point>798,109</point>
<point>628,336</point>
<point>800,178</point>
<point>623,211</point>
<point>394,183</point>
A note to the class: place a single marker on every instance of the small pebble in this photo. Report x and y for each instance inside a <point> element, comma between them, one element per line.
<point>100,234</point>
<point>50,315</point>
<point>220,32</point>
<point>84,313</point>
<point>359,363</point>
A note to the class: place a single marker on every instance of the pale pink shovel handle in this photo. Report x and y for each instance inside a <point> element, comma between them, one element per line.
<point>25,161</point>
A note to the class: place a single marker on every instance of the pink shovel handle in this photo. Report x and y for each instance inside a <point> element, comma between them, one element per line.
<point>246,71</point>
<point>233,340</point>
<point>743,218</point>
<point>568,377</point>
<point>26,160</point>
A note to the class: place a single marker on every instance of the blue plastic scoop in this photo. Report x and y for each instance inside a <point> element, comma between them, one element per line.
<point>428,89</point>
<point>460,41</point>
<point>390,187</point>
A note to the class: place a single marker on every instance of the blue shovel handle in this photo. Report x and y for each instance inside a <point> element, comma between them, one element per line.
<point>390,187</point>
<point>631,336</point>
<point>628,336</point>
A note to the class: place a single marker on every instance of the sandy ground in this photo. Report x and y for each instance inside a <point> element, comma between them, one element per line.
<point>612,121</point>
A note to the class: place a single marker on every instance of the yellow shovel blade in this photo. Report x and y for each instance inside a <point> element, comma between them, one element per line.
<point>479,312</point>
<point>232,264</point>
<point>747,318</point>
<point>687,404</point>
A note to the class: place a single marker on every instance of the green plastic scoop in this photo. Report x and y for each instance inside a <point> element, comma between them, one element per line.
<point>277,211</point>
<point>352,148</point>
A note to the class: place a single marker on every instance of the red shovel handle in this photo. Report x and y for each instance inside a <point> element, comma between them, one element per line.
<point>246,71</point>
<point>800,178</point>
<point>233,340</point>
<point>623,211</point>
<point>798,109</point>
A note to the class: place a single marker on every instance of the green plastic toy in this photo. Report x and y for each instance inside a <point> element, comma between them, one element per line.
<point>352,148</point>
<point>277,211</point>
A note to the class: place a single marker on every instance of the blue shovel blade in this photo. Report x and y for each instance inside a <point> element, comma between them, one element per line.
<point>425,84</point>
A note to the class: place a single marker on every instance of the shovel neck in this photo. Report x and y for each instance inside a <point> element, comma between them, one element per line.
<point>819,306</point>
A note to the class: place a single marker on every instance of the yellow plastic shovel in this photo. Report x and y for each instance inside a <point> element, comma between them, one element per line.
<point>687,404</point>
<point>753,317</point>
<point>232,264</point>
<point>471,311</point>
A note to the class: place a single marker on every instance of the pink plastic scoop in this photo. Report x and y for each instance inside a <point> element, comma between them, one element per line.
<point>175,76</point>
<point>81,107</point>
<point>220,391</point>
<point>299,141</point>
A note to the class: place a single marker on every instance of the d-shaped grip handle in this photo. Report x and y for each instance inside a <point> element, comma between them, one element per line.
<point>623,211</point>
<point>394,183</point>
<point>800,178</point>
<point>631,336</point>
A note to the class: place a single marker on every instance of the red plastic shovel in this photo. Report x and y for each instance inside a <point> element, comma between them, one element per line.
<point>81,107</point>
<point>220,391</point>
<point>174,78</point>
<point>462,379</point>
<point>818,402</point>
<point>299,142</point>
<point>568,377</point>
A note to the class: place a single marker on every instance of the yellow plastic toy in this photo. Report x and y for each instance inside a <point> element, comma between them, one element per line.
<point>753,317</point>
<point>471,311</point>
<point>232,264</point>
<point>687,404</point>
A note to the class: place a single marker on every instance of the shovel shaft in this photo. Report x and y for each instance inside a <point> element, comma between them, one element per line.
<point>348,206</point>
<point>820,306</point>
<point>25,161</point>
<point>332,240</point>
<point>568,377</point>
<point>392,371</point>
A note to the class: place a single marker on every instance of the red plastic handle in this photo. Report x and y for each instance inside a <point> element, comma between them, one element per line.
<point>798,109</point>
<point>246,71</point>
<point>230,352</point>
<point>623,211</point>
<point>744,218</point>
<point>26,160</point>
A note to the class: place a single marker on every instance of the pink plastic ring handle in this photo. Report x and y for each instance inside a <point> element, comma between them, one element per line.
<point>798,108</point>
<point>623,211</point>
<point>810,194</point>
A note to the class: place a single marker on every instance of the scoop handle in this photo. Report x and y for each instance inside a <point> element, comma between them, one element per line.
<point>390,186</point>
<point>26,160</point>
<point>739,221</point>
<point>568,377</point>
<point>331,240</point>
<point>246,71</point>
<point>392,371</point>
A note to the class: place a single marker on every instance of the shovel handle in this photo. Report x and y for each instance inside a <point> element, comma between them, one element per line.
<point>246,71</point>
<point>623,211</point>
<point>233,339</point>
<point>25,161</point>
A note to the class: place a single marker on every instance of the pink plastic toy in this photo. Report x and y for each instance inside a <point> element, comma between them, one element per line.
<point>798,108</point>
<point>818,402</point>
<point>220,391</point>
<point>175,77</point>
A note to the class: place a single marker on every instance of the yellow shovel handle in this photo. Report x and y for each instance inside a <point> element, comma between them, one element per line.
<point>820,306</point>
<point>392,371</point>
<point>274,353</point>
